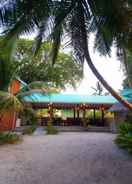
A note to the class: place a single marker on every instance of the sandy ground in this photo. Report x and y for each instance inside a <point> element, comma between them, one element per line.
<point>67,158</point>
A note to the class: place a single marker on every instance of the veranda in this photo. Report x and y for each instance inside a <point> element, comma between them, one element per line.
<point>79,105</point>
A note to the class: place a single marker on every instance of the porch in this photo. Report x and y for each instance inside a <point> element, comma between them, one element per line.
<point>78,105</point>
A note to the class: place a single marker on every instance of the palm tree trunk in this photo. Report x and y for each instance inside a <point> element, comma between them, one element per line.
<point>104,83</point>
<point>126,68</point>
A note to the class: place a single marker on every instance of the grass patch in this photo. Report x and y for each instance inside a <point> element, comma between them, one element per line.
<point>9,138</point>
<point>29,130</point>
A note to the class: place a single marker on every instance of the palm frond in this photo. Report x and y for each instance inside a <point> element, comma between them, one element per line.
<point>27,17</point>
<point>77,24</point>
<point>40,36</point>
<point>60,13</point>
<point>7,12</point>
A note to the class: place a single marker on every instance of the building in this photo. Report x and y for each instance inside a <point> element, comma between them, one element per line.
<point>77,104</point>
<point>8,119</point>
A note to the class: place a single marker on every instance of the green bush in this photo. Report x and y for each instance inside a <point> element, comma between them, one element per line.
<point>129,117</point>
<point>124,137</point>
<point>50,129</point>
<point>28,116</point>
<point>9,138</point>
<point>29,130</point>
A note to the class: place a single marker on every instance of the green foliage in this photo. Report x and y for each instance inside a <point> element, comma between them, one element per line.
<point>129,117</point>
<point>109,20</point>
<point>30,118</point>
<point>124,137</point>
<point>9,102</point>
<point>29,130</point>
<point>102,17</point>
<point>7,66</point>
<point>28,115</point>
<point>9,138</point>
<point>43,86</point>
<point>66,71</point>
<point>50,129</point>
<point>127,82</point>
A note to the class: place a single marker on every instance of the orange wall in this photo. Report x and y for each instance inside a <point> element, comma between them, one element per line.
<point>8,121</point>
<point>15,87</point>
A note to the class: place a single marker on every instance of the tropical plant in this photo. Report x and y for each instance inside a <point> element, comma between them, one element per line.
<point>9,138</point>
<point>28,116</point>
<point>50,129</point>
<point>7,68</point>
<point>98,90</point>
<point>109,20</point>
<point>124,137</point>
<point>29,130</point>
<point>9,102</point>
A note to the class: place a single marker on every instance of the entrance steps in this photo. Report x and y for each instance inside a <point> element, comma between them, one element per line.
<point>39,131</point>
<point>98,129</point>
<point>70,128</point>
<point>82,129</point>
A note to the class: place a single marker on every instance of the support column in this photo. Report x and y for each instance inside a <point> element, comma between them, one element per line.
<point>102,114</point>
<point>84,120</point>
<point>84,113</point>
<point>74,113</point>
<point>94,114</point>
<point>78,112</point>
<point>51,112</point>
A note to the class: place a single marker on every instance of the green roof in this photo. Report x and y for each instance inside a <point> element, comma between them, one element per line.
<point>35,96</point>
<point>118,107</point>
<point>127,94</point>
<point>39,97</point>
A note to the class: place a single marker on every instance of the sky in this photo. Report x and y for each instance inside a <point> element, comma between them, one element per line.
<point>109,67</point>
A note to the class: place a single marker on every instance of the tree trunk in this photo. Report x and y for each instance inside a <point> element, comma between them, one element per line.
<point>126,68</point>
<point>103,82</point>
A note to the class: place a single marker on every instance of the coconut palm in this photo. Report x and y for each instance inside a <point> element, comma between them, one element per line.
<point>98,90</point>
<point>109,20</point>
<point>127,83</point>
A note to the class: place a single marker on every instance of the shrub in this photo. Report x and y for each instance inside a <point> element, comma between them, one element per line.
<point>28,116</point>
<point>50,129</point>
<point>124,137</point>
<point>129,117</point>
<point>9,138</point>
<point>29,130</point>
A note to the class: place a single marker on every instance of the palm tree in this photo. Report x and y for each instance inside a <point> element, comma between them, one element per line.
<point>98,90</point>
<point>127,67</point>
<point>109,20</point>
